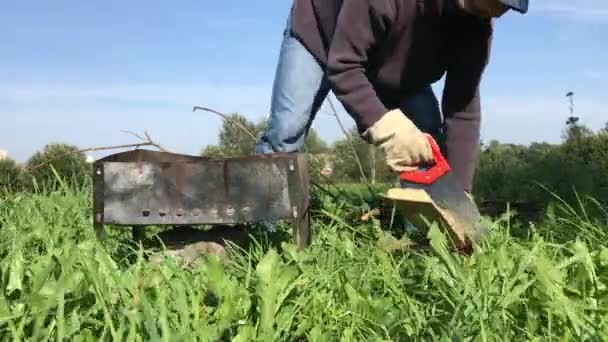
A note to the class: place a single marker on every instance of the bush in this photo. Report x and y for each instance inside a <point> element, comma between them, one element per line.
<point>70,164</point>
<point>574,169</point>
<point>9,175</point>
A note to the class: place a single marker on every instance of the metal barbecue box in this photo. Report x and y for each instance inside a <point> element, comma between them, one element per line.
<point>142,187</point>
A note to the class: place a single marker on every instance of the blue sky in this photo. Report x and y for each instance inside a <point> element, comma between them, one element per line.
<point>82,71</point>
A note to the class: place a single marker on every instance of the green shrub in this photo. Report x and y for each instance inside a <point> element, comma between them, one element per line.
<point>66,160</point>
<point>9,175</point>
<point>527,174</point>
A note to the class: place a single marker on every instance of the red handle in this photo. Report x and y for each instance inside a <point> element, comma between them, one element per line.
<point>428,176</point>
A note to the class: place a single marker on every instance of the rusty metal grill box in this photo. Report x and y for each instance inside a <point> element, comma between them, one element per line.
<point>143,187</point>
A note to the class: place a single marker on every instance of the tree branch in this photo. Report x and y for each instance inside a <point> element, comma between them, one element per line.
<point>348,139</point>
<point>229,119</point>
<point>145,142</point>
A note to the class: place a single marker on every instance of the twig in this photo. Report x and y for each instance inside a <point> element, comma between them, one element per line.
<point>146,142</point>
<point>352,146</point>
<point>90,149</point>
<point>372,158</point>
<point>133,134</point>
<point>229,119</point>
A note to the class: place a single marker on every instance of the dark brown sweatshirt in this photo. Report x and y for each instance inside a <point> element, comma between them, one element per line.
<point>314,22</point>
<point>377,51</point>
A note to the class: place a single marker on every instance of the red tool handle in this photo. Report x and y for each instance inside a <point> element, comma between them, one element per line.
<point>431,174</point>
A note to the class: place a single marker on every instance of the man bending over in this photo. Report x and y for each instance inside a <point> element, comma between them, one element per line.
<point>380,58</point>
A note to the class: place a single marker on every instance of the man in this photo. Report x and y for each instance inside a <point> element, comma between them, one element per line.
<point>380,58</point>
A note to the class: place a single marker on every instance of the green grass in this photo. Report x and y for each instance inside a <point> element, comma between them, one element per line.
<point>59,283</point>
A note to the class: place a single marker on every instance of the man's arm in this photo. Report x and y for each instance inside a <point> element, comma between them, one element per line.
<point>361,24</point>
<point>461,102</point>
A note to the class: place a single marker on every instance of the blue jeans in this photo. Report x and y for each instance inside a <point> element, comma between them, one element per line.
<point>301,86</point>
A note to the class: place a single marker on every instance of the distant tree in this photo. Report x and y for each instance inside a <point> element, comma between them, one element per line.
<point>236,138</point>
<point>499,172</point>
<point>572,120</point>
<point>559,172</point>
<point>516,173</point>
<point>577,142</point>
<point>372,160</point>
<point>239,135</point>
<point>575,131</point>
<point>599,164</point>
<point>9,175</point>
<point>573,169</point>
<point>213,151</point>
<point>345,168</point>
<point>314,143</point>
<point>65,159</point>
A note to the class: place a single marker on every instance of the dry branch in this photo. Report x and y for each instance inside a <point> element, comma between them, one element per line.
<point>148,141</point>
<point>229,119</point>
<point>145,142</point>
<point>350,143</point>
<point>352,146</point>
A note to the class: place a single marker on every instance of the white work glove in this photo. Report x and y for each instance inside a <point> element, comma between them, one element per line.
<point>405,147</point>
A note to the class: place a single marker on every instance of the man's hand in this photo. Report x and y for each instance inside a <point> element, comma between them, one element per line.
<point>404,145</point>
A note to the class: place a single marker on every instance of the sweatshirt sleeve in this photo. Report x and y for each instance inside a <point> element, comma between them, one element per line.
<point>361,24</point>
<point>461,103</point>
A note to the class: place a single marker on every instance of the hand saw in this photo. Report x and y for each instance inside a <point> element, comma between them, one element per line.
<point>434,191</point>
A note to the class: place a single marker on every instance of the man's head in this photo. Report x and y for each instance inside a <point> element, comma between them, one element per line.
<point>493,8</point>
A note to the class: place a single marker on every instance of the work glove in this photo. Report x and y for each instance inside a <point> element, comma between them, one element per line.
<point>405,147</point>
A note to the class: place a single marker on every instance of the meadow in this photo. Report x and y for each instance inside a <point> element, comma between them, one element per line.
<point>356,282</point>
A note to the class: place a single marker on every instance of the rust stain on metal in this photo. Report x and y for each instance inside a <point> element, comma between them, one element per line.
<point>181,176</point>
<point>140,165</point>
<point>225,176</point>
<point>164,167</point>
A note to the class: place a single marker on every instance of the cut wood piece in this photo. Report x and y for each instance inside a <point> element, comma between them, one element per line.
<point>409,195</point>
<point>418,207</point>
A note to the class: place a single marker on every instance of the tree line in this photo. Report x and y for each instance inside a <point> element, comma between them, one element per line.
<point>572,170</point>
